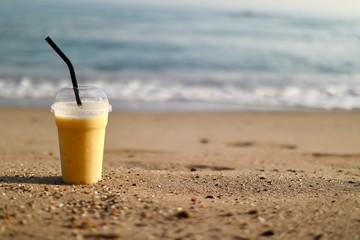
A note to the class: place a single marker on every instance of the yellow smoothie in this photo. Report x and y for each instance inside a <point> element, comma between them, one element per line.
<point>81,143</point>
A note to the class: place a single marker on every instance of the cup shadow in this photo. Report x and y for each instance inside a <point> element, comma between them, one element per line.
<point>49,180</point>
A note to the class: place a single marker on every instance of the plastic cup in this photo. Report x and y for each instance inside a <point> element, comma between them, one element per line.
<point>81,131</point>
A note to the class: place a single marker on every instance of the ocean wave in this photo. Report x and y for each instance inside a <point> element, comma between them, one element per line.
<point>330,96</point>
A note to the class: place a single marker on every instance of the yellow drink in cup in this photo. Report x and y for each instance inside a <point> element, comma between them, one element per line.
<point>81,132</point>
<point>81,148</point>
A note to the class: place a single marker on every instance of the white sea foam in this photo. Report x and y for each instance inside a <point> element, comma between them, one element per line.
<point>296,95</point>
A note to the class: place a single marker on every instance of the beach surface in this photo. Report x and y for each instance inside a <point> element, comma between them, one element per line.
<point>244,175</point>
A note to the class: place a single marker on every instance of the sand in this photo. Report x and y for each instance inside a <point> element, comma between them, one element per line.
<point>246,175</point>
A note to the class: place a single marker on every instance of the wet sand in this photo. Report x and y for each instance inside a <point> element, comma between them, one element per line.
<point>246,175</point>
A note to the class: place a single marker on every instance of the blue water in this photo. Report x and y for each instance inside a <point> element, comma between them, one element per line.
<point>151,57</point>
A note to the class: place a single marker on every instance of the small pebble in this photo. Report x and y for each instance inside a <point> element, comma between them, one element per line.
<point>229,214</point>
<point>103,236</point>
<point>252,212</point>
<point>22,222</point>
<point>318,237</point>
<point>210,197</point>
<point>182,214</point>
<point>268,233</point>
<point>143,214</point>
<point>261,219</point>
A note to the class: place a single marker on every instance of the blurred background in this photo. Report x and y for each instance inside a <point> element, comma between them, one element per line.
<point>185,55</point>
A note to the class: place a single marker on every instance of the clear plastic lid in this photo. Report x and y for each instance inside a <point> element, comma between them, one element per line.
<point>94,102</point>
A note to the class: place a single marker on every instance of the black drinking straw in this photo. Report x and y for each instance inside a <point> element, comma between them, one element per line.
<point>71,68</point>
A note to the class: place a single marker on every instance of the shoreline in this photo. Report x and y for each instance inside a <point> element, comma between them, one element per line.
<point>224,175</point>
<point>168,107</point>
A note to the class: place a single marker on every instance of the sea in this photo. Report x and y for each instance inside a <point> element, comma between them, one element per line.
<point>151,57</point>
